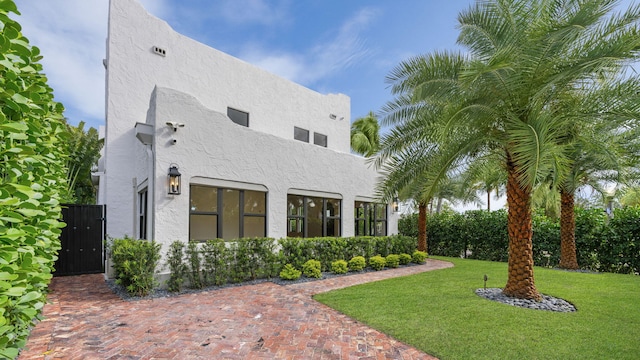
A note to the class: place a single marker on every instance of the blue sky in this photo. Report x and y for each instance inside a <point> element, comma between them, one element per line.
<point>331,46</point>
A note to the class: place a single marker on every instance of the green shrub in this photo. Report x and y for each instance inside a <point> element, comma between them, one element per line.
<point>215,260</point>
<point>392,261</point>
<point>134,262</point>
<point>194,272</point>
<point>339,267</point>
<point>377,262</point>
<point>404,258</point>
<point>357,263</point>
<point>289,272</point>
<point>175,261</point>
<point>312,268</point>
<point>419,257</point>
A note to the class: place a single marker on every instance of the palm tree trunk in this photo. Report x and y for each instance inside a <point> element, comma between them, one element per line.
<point>439,205</point>
<point>520,281</point>
<point>568,257</point>
<point>489,200</point>
<point>422,226</point>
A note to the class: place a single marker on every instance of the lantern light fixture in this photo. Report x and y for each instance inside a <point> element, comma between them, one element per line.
<point>174,180</point>
<point>395,204</point>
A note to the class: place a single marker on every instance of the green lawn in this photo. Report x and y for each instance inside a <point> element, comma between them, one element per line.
<point>439,313</point>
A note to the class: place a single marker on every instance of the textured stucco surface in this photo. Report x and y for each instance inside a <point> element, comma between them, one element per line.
<point>194,84</point>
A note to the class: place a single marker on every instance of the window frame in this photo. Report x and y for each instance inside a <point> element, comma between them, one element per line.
<point>371,217</point>
<point>296,131</point>
<point>219,212</point>
<point>305,213</point>
<point>231,114</point>
<point>324,142</point>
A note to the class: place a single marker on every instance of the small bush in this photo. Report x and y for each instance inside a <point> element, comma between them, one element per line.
<point>339,267</point>
<point>377,262</point>
<point>290,273</point>
<point>175,261</point>
<point>392,261</point>
<point>404,259</point>
<point>357,263</point>
<point>312,268</point>
<point>419,257</point>
<point>135,264</point>
<point>195,262</point>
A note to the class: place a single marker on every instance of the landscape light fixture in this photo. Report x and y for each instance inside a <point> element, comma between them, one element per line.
<point>174,180</point>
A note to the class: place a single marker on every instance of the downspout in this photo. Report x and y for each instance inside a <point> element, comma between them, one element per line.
<point>150,192</point>
<point>134,184</point>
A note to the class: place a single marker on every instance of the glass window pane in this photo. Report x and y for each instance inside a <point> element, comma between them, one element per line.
<point>204,198</point>
<point>203,227</point>
<point>320,139</point>
<point>230,214</point>
<point>333,227</point>
<point>381,228</point>
<point>381,211</point>
<point>314,217</point>
<point>295,205</point>
<point>300,134</point>
<point>238,117</point>
<point>333,207</point>
<point>255,202</point>
<point>360,228</point>
<point>295,228</point>
<point>359,210</point>
<point>254,226</point>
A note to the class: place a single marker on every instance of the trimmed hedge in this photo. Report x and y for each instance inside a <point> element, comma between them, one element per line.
<point>33,183</point>
<point>297,251</point>
<point>603,244</point>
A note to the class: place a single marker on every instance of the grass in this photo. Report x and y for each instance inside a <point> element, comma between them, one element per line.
<point>439,313</point>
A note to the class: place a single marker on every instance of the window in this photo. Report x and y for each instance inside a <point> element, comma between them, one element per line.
<point>238,117</point>
<point>142,214</point>
<point>309,216</point>
<point>226,213</point>
<point>320,139</point>
<point>300,134</point>
<point>370,219</point>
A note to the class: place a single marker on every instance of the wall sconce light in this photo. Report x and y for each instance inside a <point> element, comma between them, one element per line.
<point>174,180</point>
<point>395,205</point>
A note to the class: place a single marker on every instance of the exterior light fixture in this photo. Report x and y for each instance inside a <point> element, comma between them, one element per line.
<point>395,204</point>
<point>174,180</point>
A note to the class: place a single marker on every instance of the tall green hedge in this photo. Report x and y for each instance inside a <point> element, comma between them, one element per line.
<point>603,244</point>
<point>32,180</point>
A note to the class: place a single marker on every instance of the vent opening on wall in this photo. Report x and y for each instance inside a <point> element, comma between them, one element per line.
<point>159,51</point>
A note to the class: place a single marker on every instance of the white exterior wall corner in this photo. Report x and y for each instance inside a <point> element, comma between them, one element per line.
<point>210,145</point>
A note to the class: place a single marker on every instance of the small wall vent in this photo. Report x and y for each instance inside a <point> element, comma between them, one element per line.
<point>159,51</point>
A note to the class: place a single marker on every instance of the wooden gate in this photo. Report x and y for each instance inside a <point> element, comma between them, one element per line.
<point>82,240</point>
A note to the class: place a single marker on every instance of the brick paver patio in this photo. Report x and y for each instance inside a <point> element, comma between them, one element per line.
<point>85,320</point>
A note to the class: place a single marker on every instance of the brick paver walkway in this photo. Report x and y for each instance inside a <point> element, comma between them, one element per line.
<point>85,320</point>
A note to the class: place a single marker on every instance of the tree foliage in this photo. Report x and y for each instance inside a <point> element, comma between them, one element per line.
<point>519,91</point>
<point>83,148</point>
<point>32,182</point>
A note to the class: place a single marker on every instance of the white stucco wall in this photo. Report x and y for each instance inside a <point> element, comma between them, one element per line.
<point>194,85</point>
<point>212,147</point>
<point>275,105</point>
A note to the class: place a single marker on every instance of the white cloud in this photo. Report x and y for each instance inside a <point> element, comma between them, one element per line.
<point>342,49</point>
<point>71,35</point>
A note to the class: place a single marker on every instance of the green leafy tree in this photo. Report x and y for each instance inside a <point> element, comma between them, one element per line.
<point>506,96</point>
<point>32,182</point>
<point>365,135</point>
<point>84,150</point>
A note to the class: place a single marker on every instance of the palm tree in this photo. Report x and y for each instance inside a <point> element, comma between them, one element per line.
<point>365,135</point>
<point>524,57</point>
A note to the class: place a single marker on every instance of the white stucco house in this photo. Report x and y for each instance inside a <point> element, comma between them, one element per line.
<point>258,154</point>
